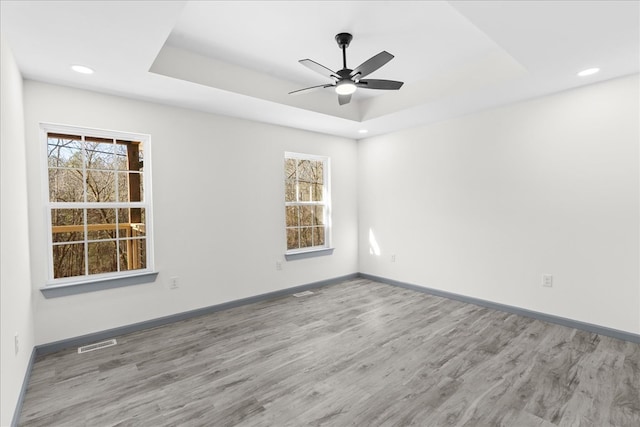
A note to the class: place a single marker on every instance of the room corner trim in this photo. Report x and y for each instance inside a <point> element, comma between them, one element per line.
<point>576,324</point>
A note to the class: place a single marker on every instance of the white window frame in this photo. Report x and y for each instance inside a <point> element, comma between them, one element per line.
<point>90,282</point>
<point>326,248</point>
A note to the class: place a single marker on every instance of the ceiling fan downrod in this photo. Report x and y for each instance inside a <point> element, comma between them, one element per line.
<point>343,40</point>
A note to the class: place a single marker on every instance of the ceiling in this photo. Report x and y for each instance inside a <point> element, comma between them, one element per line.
<point>240,58</point>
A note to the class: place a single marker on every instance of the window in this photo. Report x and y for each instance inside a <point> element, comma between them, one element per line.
<point>306,202</point>
<point>98,204</point>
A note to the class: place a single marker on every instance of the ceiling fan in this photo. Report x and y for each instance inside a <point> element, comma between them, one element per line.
<point>346,81</point>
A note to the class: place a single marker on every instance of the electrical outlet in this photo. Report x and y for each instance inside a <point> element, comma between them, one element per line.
<point>547,280</point>
<point>174,283</point>
<point>16,342</point>
<point>278,265</point>
<point>393,258</point>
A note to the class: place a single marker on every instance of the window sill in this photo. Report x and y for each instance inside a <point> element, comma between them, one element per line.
<point>292,256</point>
<point>73,288</point>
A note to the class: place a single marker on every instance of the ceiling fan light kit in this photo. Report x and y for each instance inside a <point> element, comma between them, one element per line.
<point>346,80</point>
<point>345,87</point>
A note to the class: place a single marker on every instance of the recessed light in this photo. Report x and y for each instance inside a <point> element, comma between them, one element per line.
<point>588,72</point>
<point>363,131</point>
<point>81,69</point>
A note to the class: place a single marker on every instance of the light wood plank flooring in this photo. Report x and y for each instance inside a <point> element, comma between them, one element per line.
<point>358,353</point>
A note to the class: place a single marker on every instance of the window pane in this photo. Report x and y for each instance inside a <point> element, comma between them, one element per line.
<point>101,186</point>
<point>316,192</point>
<point>290,190</point>
<point>65,185</point>
<point>304,192</point>
<point>102,257</point>
<point>317,171</point>
<point>100,155</point>
<point>292,216</point>
<point>130,187</point>
<point>67,225</point>
<point>141,188</point>
<point>318,236</point>
<point>124,229</point>
<point>305,172</point>
<point>64,152</point>
<point>310,171</point>
<point>134,155</point>
<point>318,218</point>
<point>306,237</point>
<point>292,238</point>
<point>123,186</point>
<point>137,222</point>
<point>121,162</point>
<point>101,224</point>
<point>140,159</point>
<point>290,169</point>
<point>68,260</point>
<point>133,254</point>
<point>135,187</point>
<point>123,254</point>
<point>306,215</point>
<point>142,253</point>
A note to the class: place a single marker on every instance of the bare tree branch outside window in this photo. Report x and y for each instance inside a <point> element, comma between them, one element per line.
<point>305,201</point>
<point>94,184</point>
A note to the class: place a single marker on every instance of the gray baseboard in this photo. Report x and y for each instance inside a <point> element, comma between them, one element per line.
<point>23,389</point>
<point>576,324</point>
<point>122,330</point>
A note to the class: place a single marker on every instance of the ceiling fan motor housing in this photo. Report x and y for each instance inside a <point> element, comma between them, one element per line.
<point>345,73</point>
<point>343,39</point>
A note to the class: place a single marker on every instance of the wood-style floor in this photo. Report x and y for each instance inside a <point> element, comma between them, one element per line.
<point>358,353</point>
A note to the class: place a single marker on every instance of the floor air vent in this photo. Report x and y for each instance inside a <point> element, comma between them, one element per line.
<point>303,294</point>
<point>96,346</point>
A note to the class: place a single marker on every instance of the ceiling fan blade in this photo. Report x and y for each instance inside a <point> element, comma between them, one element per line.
<point>371,64</point>
<point>319,68</point>
<point>309,89</point>
<point>344,99</point>
<point>380,84</point>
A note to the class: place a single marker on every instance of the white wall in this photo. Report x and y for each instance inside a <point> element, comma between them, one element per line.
<point>16,314</point>
<point>218,196</point>
<point>483,205</point>
<point>480,206</point>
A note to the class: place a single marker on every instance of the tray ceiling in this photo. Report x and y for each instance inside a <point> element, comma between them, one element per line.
<point>240,58</point>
